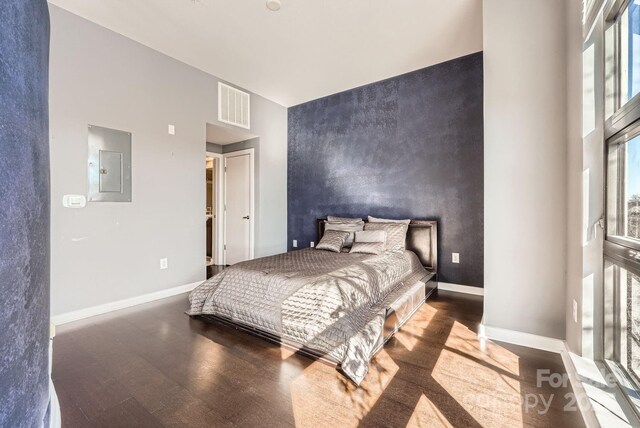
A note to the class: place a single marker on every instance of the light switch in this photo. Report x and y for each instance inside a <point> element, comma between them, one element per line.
<point>74,201</point>
<point>172,130</point>
<point>455,257</point>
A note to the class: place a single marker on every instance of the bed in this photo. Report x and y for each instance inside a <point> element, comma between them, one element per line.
<point>340,308</point>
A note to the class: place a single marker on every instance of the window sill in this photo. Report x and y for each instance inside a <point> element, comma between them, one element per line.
<point>609,405</point>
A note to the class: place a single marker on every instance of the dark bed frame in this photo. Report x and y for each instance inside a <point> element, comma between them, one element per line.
<point>422,239</point>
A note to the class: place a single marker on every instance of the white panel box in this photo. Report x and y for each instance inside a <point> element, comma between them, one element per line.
<point>109,165</point>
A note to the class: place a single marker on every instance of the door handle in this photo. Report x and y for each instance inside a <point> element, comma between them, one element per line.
<point>246,217</point>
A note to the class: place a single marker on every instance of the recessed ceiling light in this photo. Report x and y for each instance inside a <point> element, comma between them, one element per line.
<point>273,5</point>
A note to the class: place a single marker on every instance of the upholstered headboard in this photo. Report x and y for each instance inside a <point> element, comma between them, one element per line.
<point>422,239</point>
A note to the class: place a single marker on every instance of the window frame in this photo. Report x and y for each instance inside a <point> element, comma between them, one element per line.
<point>620,127</point>
<point>628,260</point>
<point>624,137</point>
<point>623,115</point>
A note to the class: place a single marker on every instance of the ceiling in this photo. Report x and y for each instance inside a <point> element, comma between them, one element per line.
<point>223,135</point>
<point>307,50</point>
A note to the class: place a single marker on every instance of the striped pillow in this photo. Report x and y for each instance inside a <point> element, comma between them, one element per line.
<point>371,236</point>
<point>369,242</point>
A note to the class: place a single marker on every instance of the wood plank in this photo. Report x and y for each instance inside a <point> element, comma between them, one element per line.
<point>154,366</point>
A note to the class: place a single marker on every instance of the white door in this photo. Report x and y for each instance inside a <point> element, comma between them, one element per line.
<point>238,218</point>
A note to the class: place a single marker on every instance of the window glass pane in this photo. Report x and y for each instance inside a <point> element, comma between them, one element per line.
<point>612,190</point>
<point>630,52</point>
<point>622,289</point>
<point>632,187</point>
<point>633,325</point>
<point>623,190</point>
<point>610,71</point>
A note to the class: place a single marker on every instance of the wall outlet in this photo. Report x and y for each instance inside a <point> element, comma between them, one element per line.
<point>575,311</point>
<point>455,257</point>
<point>172,130</point>
<point>164,263</point>
<point>295,243</point>
<point>313,244</point>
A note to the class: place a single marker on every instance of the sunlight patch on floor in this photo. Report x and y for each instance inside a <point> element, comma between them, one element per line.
<point>340,397</point>
<point>480,381</point>
<point>426,414</point>
<point>410,334</point>
<point>285,352</point>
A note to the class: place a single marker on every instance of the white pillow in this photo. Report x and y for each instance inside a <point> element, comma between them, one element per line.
<point>396,234</point>
<point>386,220</point>
<point>334,219</point>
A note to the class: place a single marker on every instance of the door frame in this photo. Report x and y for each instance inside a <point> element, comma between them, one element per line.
<point>252,216</point>
<point>218,243</point>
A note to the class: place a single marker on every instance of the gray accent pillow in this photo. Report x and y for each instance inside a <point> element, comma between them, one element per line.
<point>387,220</point>
<point>371,236</point>
<point>367,247</point>
<point>352,228</point>
<point>396,234</point>
<point>334,219</point>
<point>332,240</point>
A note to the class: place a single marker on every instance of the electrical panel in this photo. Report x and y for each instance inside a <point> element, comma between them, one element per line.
<point>109,165</point>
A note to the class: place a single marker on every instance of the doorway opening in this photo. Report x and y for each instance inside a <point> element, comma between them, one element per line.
<point>230,199</point>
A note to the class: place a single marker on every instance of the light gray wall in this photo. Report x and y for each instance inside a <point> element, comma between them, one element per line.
<point>574,173</point>
<point>111,251</point>
<point>525,165</point>
<point>272,176</point>
<point>585,336</point>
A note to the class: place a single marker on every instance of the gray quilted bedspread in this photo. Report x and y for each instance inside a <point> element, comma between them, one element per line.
<point>333,303</point>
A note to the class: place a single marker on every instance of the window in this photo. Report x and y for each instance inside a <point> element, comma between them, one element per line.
<point>623,191</point>
<point>630,52</point>
<point>622,59</point>
<point>622,262</point>
<point>621,292</point>
<point>622,332</point>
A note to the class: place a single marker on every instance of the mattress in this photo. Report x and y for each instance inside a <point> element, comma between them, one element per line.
<point>334,304</point>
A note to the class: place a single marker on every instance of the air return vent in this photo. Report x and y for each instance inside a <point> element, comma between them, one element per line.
<point>233,106</point>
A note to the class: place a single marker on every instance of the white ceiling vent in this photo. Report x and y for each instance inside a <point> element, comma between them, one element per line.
<point>233,106</point>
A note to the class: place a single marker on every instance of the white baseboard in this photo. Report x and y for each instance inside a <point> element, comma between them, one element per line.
<point>551,345</point>
<point>520,338</point>
<point>478,291</point>
<point>121,304</point>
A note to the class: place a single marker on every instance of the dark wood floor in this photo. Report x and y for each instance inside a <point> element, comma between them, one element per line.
<point>152,365</point>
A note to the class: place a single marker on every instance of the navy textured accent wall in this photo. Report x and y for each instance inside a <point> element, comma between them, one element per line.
<point>406,147</point>
<point>24,213</point>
